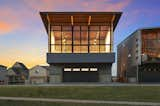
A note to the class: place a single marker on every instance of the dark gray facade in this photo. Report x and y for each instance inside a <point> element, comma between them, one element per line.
<point>80,58</point>
<point>138,56</point>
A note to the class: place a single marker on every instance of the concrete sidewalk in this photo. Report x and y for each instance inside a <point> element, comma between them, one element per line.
<point>91,84</point>
<point>80,101</point>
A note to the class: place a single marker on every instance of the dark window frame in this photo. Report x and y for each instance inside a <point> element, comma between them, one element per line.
<point>88,34</point>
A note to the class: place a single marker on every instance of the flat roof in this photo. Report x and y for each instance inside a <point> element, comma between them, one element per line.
<point>139,29</point>
<point>76,18</point>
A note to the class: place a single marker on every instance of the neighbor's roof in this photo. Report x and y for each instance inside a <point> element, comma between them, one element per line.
<point>139,29</point>
<point>3,66</point>
<point>63,18</point>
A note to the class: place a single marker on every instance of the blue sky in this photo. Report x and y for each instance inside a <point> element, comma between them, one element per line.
<point>23,37</point>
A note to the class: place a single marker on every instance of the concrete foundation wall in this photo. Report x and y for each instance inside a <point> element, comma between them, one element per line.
<point>55,73</point>
<point>105,73</point>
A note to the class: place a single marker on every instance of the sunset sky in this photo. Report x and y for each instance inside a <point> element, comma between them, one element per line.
<point>23,37</point>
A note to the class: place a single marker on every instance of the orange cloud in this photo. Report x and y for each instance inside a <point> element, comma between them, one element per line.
<point>6,27</point>
<point>9,20</point>
<point>80,5</point>
<point>49,5</point>
<point>105,5</point>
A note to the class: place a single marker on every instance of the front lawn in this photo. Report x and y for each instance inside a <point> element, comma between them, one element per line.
<point>24,103</point>
<point>117,93</point>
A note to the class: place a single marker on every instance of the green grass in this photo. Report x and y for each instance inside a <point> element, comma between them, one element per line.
<point>23,103</point>
<point>117,93</point>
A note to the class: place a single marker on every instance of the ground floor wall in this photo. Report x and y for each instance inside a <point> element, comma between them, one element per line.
<point>101,75</point>
<point>15,80</point>
<point>38,80</point>
<point>149,72</point>
<point>144,73</point>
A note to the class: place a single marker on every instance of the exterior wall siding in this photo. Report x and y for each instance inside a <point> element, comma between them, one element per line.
<point>129,57</point>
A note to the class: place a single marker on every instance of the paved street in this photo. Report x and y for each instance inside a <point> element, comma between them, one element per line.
<point>92,84</point>
<point>79,101</point>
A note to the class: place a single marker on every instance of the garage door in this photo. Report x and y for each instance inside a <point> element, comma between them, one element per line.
<point>149,76</point>
<point>80,75</point>
<point>149,73</point>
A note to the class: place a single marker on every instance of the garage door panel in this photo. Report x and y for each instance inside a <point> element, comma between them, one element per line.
<point>149,76</point>
<point>80,76</point>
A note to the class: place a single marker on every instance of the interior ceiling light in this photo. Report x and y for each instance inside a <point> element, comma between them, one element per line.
<point>72,20</point>
<point>89,20</point>
<point>64,40</point>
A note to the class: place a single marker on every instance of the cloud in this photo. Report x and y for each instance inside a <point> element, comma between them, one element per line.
<point>9,21</point>
<point>105,5</point>
<point>6,27</point>
<point>49,5</point>
<point>77,5</point>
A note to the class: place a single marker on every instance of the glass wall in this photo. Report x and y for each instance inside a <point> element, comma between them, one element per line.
<point>151,42</point>
<point>80,39</point>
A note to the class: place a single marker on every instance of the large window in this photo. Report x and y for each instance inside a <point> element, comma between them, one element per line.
<point>151,42</point>
<point>80,39</point>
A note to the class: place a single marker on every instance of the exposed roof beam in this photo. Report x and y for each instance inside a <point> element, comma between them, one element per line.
<point>48,18</point>
<point>113,18</point>
<point>89,20</point>
<point>72,20</point>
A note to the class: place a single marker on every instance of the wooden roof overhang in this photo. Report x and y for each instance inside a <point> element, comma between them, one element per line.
<point>80,18</point>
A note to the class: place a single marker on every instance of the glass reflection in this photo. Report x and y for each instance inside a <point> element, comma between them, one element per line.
<point>84,37</point>
<point>76,37</point>
<point>94,49</point>
<point>80,39</point>
<point>67,37</point>
<point>55,48</point>
<point>84,49</point>
<point>66,48</point>
<point>76,49</point>
<point>94,37</point>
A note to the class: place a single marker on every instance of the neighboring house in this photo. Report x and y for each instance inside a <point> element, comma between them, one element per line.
<point>3,74</point>
<point>114,79</point>
<point>38,75</point>
<point>138,56</point>
<point>3,68</point>
<point>18,74</point>
<point>12,77</point>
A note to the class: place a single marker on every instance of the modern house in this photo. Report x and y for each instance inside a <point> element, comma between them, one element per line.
<point>139,56</point>
<point>3,75</point>
<point>38,75</point>
<point>80,45</point>
<point>18,74</point>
